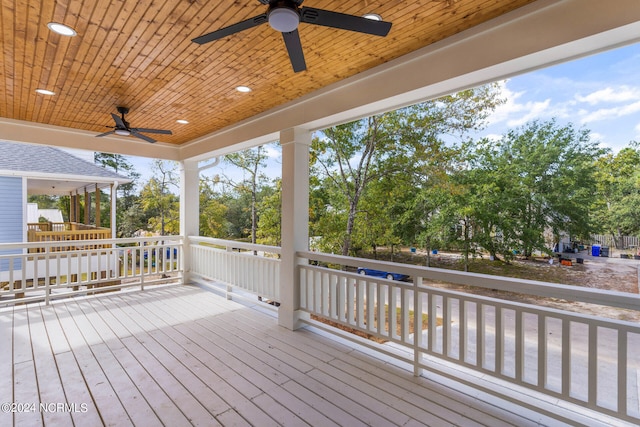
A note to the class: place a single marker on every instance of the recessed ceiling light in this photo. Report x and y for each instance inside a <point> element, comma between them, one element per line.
<point>61,29</point>
<point>182,122</point>
<point>45,92</point>
<point>372,16</point>
<point>243,89</point>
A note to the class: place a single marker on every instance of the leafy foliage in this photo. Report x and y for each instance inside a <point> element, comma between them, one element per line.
<point>389,148</point>
<point>413,177</point>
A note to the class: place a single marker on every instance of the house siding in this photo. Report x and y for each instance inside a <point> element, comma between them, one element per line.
<point>11,214</point>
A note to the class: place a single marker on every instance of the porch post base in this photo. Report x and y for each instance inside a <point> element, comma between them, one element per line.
<point>291,320</point>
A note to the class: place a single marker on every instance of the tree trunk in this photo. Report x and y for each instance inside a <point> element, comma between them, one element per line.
<point>346,248</point>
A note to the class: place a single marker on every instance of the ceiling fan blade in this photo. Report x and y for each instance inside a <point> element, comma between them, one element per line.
<point>106,133</point>
<point>343,21</point>
<point>119,123</point>
<point>232,29</point>
<point>294,48</point>
<point>141,136</point>
<point>162,131</point>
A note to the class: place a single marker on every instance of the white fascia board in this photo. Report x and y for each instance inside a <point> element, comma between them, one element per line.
<point>63,177</point>
<point>57,136</point>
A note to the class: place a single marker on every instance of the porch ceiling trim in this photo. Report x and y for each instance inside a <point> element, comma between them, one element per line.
<point>61,184</point>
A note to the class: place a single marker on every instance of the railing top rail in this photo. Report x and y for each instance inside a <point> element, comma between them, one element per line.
<point>497,302</point>
<point>235,244</point>
<point>93,242</point>
<point>521,286</point>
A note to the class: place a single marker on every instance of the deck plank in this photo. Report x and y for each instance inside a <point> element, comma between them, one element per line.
<point>49,383</point>
<point>238,405</point>
<point>407,390</point>
<point>195,413</point>
<point>6,368</point>
<point>179,355</point>
<point>106,400</point>
<point>123,364</point>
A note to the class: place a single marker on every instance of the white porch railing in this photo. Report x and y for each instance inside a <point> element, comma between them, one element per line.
<point>591,361</point>
<point>244,266</point>
<point>587,360</point>
<point>39,271</point>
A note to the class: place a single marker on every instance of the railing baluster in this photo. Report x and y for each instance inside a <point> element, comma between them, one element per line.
<point>446,323</point>
<point>566,358</point>
<point>404,314</point>
<point>463,331</point>
<point>417,326</point>
<point>333,297</point>
<point>499,337</point>
<point>433,318</point>
<point>519,344</point>
<point>371,308</point>
<point>542,351</point>
<point>593,365</point>
<point>391,311</point>
<point>623,367</point>
<point>359,288</point>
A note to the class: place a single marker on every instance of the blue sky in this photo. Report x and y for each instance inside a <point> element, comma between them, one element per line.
<point>600,93</point>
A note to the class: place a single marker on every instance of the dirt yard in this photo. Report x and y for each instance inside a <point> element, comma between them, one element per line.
<point>615,274</point>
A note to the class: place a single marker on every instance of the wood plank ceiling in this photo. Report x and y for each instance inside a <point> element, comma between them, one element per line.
<point>139,54</point>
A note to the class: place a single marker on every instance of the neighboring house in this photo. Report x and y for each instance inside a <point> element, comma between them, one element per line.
<point>29,169</point>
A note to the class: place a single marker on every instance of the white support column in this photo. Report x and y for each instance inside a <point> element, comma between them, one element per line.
<point>189,209</point>
<point>114,196</point>
<point>295,220</point>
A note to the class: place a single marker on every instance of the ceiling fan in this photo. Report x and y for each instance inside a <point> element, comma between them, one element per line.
<point>122,127</point>
<point>285,15</point>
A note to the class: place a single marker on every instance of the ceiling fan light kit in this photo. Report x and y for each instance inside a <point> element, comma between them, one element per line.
<point>283,19</point>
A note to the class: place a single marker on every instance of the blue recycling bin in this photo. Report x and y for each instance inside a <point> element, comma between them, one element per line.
<point>595,250</point>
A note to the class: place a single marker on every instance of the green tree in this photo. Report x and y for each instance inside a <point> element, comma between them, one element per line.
<point>617,204</point>
<point>213,221</point>
<point>44,201</point>
<point>270,216</point>
<point>537,177</point>
<point>126,199</point>
<point>352,156</point>
<point>251,162</point>
<point>159,202</point>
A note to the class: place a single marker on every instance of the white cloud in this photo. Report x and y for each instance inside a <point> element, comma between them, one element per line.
<point>516,113</point>
<point>595,136</point>
<point>534,110</point>
<point>610,95</point>
<point>272,151</point>
<point>493,137</point>
<point>611,113</point>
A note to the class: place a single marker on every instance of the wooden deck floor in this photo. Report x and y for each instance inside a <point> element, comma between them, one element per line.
<point>180,355</point>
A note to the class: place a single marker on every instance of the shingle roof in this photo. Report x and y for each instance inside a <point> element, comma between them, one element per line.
<point>22,157</point>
